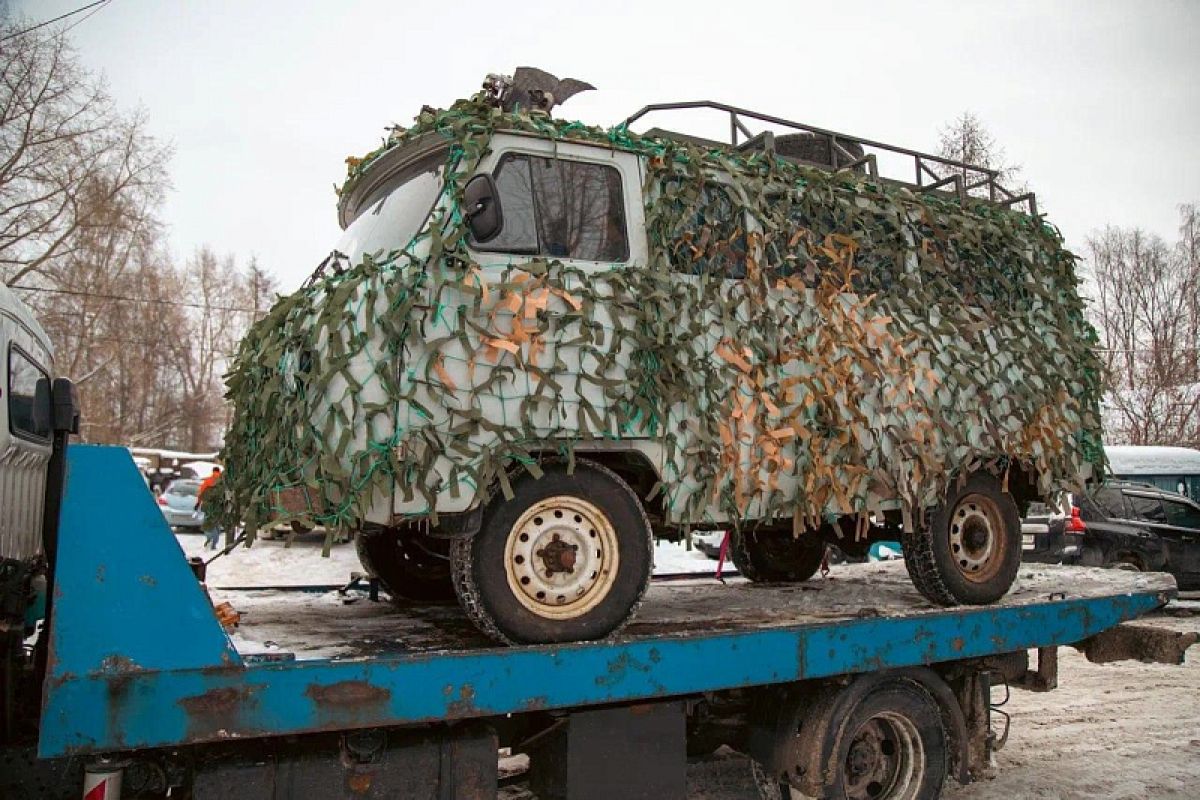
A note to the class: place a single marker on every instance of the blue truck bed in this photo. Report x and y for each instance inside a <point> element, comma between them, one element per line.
<point>138,659</point>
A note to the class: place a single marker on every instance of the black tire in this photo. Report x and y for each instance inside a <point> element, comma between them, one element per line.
<point>818,149</point>
<point>776,556</point>
<point>897,726</point>
<point>552,517</point>
<point>1128,563</point>
<point>407,568</point>
<point>879,738</point>
<point>971,552</point>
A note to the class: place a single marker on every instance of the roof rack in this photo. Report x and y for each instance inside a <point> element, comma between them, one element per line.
<point>963,179</point>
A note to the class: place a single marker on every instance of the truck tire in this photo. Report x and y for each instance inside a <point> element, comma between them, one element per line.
<point>971,551</point>
<point>818,149</point>
<point>776,556</point>
<point>568,558</point>
<point>407,570</point>
<point>880,737</point>
<point>891,746</point>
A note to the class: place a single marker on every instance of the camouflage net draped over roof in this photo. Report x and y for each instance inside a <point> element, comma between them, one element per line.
<point>879,342</point>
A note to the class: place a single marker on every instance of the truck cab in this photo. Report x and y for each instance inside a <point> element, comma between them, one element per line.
<point>25,432</point>
<point>36,414</point>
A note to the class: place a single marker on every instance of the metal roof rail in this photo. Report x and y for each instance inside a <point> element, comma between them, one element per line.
<point>963,179</point>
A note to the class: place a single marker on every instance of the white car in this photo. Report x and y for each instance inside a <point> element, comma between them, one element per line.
<point>178,503</point>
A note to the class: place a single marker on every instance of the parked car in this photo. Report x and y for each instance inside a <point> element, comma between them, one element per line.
<point>178,503</point>
<point>1121,524</point>
<point>1045,538</point>
<point>198,469</point>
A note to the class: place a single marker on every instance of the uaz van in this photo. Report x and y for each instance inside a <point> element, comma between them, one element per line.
<point>538,345</point>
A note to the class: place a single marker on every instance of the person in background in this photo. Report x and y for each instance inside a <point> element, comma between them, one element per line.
<point>212,532</point>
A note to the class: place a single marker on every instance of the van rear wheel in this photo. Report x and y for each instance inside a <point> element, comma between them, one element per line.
<point>407,568</point>
<point>568,558</point>
<point>971,552</point>
<point>776,556</point>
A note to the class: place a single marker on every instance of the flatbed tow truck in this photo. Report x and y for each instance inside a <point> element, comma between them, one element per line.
<point>852,686</point>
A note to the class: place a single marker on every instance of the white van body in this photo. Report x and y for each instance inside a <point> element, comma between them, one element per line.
<point>25,357</point>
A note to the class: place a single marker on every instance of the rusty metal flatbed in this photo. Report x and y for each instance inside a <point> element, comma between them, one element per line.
<point>138,659</point>
<point>306,625</point>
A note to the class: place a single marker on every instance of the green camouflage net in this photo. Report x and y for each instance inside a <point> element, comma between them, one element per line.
<point>875,344</point>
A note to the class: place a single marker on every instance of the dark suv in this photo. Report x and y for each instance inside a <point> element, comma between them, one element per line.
<point>1121,524</point>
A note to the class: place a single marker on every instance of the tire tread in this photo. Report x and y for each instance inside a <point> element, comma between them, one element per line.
<point>471,599</point>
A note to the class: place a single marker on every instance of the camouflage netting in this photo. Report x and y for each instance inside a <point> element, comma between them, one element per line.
<point>878,343</point>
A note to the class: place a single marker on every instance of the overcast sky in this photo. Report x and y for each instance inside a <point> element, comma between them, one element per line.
<point>1099,102</point>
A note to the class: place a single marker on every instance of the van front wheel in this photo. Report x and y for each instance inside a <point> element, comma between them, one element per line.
<point>568,558</point>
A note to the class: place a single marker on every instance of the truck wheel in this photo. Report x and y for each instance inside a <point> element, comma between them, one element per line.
<point>878,738</point>
<point>568,558</point>
<point>406,569</point>
<point>774,556</point>
<point>972,550</point>
<point>892,744</point>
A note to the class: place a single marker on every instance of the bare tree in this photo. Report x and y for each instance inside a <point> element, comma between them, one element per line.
<point>80,189</point>
<point>65,150</point>
<point>968,140</point>
<point>261,288</point>
<point>201,353</point>
<point>1147,313</point>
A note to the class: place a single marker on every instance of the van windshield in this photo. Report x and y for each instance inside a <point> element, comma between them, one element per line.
<point>393,214</point>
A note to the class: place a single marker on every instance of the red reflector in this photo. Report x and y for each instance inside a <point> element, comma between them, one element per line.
<point>162,501</point>
<point>1075,523</point>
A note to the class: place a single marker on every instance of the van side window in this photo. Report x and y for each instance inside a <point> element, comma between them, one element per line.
<point>712,238</point>
<point>1147,508</point>
<point>560,208</point>
<point>23,375</point>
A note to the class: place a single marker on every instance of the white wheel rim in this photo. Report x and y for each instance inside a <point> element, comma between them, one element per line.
<point>975,531</point>
<point>561,557</point>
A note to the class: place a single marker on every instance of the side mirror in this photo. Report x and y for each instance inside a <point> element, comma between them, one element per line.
<point>481,207</point>
<point>66,406</point>
<point>55,406</point>
<point>43,407</point>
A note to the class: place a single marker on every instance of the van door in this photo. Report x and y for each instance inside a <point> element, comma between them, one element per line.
<point>577,204</point>
<point>25,439</point>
